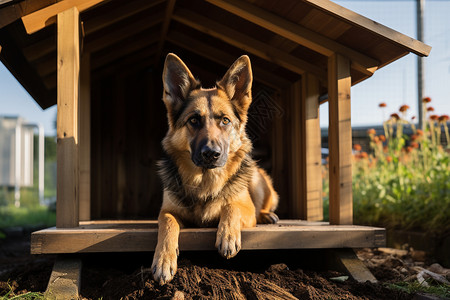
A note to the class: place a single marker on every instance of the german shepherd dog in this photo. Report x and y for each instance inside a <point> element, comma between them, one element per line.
<point>208,174</point>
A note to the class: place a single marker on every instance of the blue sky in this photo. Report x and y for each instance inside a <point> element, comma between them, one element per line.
<point>394,84</point>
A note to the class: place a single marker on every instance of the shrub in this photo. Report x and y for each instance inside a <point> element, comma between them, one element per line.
<point>405,180</point>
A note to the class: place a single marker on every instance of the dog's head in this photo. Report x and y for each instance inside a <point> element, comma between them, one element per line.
<point>208,123</point>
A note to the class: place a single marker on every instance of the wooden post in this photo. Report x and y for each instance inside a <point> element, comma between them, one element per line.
<point>312,206</point>
<point>85,138</point>
<point>297,179</point>
<point>68,65</point>
<point>340,140</point>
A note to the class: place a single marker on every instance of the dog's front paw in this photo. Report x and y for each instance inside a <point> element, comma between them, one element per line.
<point>164,265</point>
<point>228,241</point>
<point>267,218</point>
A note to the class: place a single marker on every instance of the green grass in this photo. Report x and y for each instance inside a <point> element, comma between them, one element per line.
<point>11,216</point>
<point>441,290</point>
<point>7,292</point>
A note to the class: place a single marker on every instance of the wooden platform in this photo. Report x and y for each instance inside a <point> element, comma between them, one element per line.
<point>131,236</point>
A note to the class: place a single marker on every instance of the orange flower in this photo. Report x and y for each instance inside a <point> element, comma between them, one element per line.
<point>395,116</point>
<point>382,104</point>
<point>414,137</point>
<point>376,140</point>
<point>414,145</point>
<point>388,159</point>
<point>419,132</point>
<point>382,138</point>
<point>409,149</point>
<point>431,108</point>
<point>434,117</point>
<point>364,155</point>
<point>404,108</point>
<point>371,131</point>
<point>443,118</point>
<point>357,147</point>
<point>426,100</point>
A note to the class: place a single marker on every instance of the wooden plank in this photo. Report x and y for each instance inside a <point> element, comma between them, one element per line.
<point>85,138</point>
<point>17,10</point>
<point>116,52</point>
<point>296,169</point>
<point>126,10</point>
<point>165,28</point>
<point>122,33</point>
<point>294,32</point>
<point>17,64</point>
<point>247,43</point>
<point>129,237</point>
<point>67,204</point>
<point>311,141</point>
<point>340,140</point>
<point>44,17</point>
<point>65,279</point>
<point>396,37</point>
<point>346,261</point>
<point>223,58</point>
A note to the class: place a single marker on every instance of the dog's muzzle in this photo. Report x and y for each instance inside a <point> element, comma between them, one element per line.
<point>210,157</point>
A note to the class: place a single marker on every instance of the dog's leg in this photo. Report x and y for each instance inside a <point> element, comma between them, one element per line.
<point>164,264</point>
<point>233,217</point>
<point>269,199</point>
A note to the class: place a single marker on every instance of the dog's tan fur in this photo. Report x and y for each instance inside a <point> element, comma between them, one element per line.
<point>232,196</point>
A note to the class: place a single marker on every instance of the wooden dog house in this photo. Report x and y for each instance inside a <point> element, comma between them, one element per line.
<point>100,61</point>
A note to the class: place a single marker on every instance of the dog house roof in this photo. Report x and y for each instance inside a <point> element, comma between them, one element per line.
<point>284,38</point>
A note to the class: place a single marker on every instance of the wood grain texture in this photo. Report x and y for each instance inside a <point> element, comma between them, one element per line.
<point>44,17</point>
<point>296,151</point>
<point>131,236</point>
<point>312,206</point>
<point>340,140</point>
<point>85,138</point>
<point>67,204</point>
<point>247,43</point>
<point>294,32</point>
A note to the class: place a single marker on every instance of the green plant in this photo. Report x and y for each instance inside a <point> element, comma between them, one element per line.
<point>440,290</point>
<point>405,180</point>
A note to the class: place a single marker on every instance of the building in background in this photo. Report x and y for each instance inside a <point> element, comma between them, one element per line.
<point>17,155</point>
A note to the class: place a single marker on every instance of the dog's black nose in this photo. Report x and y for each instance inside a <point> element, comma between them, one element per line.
<point>210,155</point>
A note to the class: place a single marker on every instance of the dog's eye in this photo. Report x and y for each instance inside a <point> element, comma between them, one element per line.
<point>225,121</point>
<point>193,121</point>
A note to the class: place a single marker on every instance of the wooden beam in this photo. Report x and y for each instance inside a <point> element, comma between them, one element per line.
<point>312,209</point>
<point>297,174</point>
<point>42,18</point>
<point>13,59</point>
<point>165,27</point>
<point>106,57</point>
<point>247,43</point>
<point>115,36</point>
<point>295,32</point>
<point>15,11</point>
<point>340,140</point>
<point>65,279</point>
<point>223,58</point>
<point>126,10</point>
<point>411,45</point>
<point>85,137</point>
<point>67,203</point>
<point>133,236</point>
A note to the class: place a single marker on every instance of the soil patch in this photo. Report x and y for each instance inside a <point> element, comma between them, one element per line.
<point>205,275</point>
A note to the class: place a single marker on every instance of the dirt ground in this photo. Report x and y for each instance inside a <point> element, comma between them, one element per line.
<point>206,275</point>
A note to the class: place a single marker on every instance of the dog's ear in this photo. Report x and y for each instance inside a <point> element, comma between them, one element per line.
<point>177,81</point>
<point>237,83</point>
